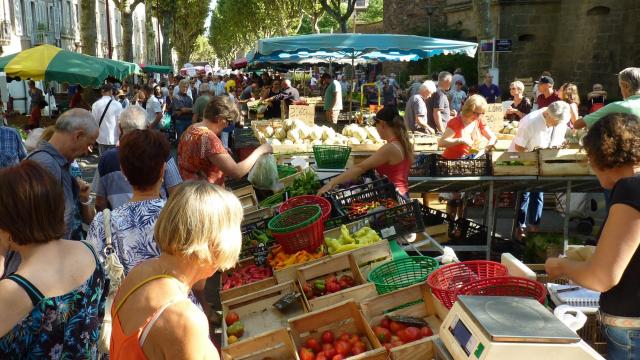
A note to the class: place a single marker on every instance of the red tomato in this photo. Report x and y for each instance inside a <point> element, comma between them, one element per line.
<point>314,345</point>
<point>338,357</point>
<point>330,278</point>
<point>306,354</point>
<point>357,349</point>
<point>383,334</point>
<point>388,346</point>
<point>328,350</point>
<point>321,356</point>
<point>327,337</point>
<point>231,318</point>
<point>345,337</point>
<point>426,331</point>
<point>413,333</point>
<point>404,337</point>
<point>396,326</point>
<point>343,347</point>
<point>385,323</point>
<point>354,339</point>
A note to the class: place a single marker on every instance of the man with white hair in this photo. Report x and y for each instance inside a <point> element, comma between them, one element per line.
<point>540,129</point>
<point>75,132</point>
<point>415,114</point>
<point>181,108</point>
<point>629,82</point>
<point>111,186</point>
<point>438,109</point>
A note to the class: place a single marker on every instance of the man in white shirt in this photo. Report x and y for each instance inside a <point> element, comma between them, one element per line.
<point>154,108</point>
<point>540,129</point>
<point>106,113</point>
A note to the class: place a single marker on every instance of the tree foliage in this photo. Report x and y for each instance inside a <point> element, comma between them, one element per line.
<point>189,18</point>
<point>335,10</point>
<point>373,13</point>
<point>203,51</point>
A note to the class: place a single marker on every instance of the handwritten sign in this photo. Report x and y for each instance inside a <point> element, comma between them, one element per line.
<point>494,117</point>
<point>305,113</point>
<point>260,254</point>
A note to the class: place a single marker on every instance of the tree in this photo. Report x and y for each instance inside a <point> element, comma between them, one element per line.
<point>482,11</point>
<point>314,11</point>
<point>126,8</point>
<point>373,13</point>
<point>333,8</point>
<point>189,17</point>
<point>88,31</point>
<point>203,51</point>
<point>150,32</point>
<point>164,11</point>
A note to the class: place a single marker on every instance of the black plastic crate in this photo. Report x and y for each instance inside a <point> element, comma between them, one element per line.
<point>460,232</point>
<point>236,184</point>
<point>357,188</point>
<point>396,221</point>
<point>434,165</point>
<point>364,194</point>
<point>246,232</point>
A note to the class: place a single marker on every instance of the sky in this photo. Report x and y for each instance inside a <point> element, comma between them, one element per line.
<point>212,5</point>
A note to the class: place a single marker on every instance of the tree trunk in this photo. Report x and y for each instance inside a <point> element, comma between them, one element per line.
<point>167,30</point>
<point>482,11</point>
<point>88,32</point>
<point>315,23</point>
<point>343,25</point>
<point>182,59</point>
<point>127,33</point>
<point>150,34</point>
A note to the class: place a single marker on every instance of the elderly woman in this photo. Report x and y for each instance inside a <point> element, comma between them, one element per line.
<point>201,154</point>
<point>53,305</point>
<point>392,160</point>
<point>152,317</point>
<point>521,105</point>
<point>465,133</point>
<point>568,93</point>
<point>613,149</point>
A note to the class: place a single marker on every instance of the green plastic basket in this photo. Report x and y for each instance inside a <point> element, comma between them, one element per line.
<point>331,156</point>
<point>300,228</point>
<point>295,218</point>
<point>400,273</point>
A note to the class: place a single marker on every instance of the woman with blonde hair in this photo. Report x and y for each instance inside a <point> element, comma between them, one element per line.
<point>521,105</point>
<point>198,233</point>
<point>568,93</point>
<point>392,160</point>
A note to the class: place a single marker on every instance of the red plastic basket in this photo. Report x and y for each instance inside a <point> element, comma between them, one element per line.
<point>505,286</point>
<point>446,281</point>
<point>302,200</point>
<point>300,228</point>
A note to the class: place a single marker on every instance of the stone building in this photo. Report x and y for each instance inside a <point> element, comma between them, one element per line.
<point>582,41</point>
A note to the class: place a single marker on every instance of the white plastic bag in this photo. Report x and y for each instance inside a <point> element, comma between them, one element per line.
<point>264,174</point>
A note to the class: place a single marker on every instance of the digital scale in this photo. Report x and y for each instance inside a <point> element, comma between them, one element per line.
<point>505,328</point>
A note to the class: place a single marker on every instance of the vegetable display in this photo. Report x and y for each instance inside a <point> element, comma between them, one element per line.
<point>328,285</point>
<point>330,347</point>
<point>346,241</point>
<point>245,275</point>
<point>235,327</point>
<point>395,333</point>
<point>279,259</point>
<point>306,183</point>
<point>359,208</point>
<point>297,132</point>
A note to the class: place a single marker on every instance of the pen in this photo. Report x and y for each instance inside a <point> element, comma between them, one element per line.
<point>568,289</point>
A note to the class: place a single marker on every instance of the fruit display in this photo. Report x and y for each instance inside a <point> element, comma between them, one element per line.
<point>235,327</point>
<point>510,128</point>
<point>351,241</point>
<point>245,275</point>
<point>359,208</point>
<point>328,285</point>
<point>297,132</point>
<point>331,347</point>
<point>279,259</point>
<point>393,333</point>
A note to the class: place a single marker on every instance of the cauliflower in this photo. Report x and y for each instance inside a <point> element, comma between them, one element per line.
<point>347,130</point>
<point>353,141</point>
<point>287,124</point>
<point>327,133</point>
<point>268,131</point>
<point>304,131</point>
<point>316,133</point>
<point>293,135</point>
<point>288,142</point>
<point>359,133</point>
<point>372,133</point>
<point>316,142</point>
<point>297,123</point>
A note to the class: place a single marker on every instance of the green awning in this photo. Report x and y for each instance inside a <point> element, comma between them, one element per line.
<point>160,69</point>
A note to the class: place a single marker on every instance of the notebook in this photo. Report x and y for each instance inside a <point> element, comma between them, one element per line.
<point>581,297</point>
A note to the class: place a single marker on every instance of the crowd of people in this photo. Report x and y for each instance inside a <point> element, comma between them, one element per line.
<point>160,225</point>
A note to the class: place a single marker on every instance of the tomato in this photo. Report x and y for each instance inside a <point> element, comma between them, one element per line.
<point>388,346</point>
<point>396,326</point>
<point>343,347</point>
<point>306,354</point>
<point>327,337</point>
<point>330,278</point>
<point>354,339</point>
<point>321,356</point>
<point>314,345</point>
<point>231,318</point>
<point>345,337</point>
<point>348,279</point>
<point>383,334</point>
<point>426,331</point>
<point>328,350</point>
<point>338,357</point>
<point>404,336</point>
<point>358,349</point>
<point>385,323</point>
<point>413,334</point>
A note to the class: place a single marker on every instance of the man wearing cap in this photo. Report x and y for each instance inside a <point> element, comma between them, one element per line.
<point>106,112</point>
<point>201,102</point>
<point>547,94</point>
<point>489,90</point>
<point>629,82</point>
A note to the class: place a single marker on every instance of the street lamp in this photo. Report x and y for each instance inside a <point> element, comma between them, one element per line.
<point>430,10</point>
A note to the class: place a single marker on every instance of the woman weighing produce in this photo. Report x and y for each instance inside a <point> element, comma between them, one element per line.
<point>613,150</point>
<point>392,160</point>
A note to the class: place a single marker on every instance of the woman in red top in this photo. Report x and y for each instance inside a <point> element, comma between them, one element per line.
<point>201,154</point>
<point>392,160</point>
<point>464,133</point>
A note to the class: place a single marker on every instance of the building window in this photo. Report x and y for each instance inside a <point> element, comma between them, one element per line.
<point>598,11</point>
<point>526,38</point>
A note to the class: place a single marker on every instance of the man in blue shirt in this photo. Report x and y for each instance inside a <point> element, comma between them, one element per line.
<point>11,147</point>
<point>489,90</point>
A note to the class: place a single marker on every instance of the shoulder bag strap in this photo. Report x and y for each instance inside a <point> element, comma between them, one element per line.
<point>104,113</point>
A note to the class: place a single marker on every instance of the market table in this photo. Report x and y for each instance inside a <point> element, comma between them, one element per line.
<point>491,184</point>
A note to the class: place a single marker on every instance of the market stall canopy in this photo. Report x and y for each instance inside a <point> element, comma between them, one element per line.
<point>49,63</point>
<point>239,63</point>
<point>367,47</point>
<point>160,69</point>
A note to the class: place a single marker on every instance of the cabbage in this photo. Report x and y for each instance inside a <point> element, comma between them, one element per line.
<point>287,124</point>
<point>280,134</point>
<point>293,135</point>
<point>268,131</point>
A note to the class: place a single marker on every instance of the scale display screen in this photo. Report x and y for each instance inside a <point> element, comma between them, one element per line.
<point>463,336</point>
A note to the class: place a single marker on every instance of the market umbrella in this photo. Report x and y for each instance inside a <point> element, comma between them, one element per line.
<point>160,69</point>
<point>49,63</point>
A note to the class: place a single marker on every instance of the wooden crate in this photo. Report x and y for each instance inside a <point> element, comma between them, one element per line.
<point>257,214</point>
<point>338,265</point>
<point>257,312</point>
<point>376,308</point>
<point>276,344</point>
<point>527,163</point>
<point>253,287</point>
<point>290,273</point>
<point>563,162</point>
<point>247,197</point>
<point>338,318</point>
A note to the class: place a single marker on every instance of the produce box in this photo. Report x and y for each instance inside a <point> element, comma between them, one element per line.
<point>247,288</point>
<point>257,313</point>
<point>563,162</point>
<point>338,319</point>
<point>514,163</point>
<point>276,345</point>
<point>415,301</point>
<point>247,197</point>
<point>254,230</point>
<point>331,280</point>
<point>256,216</point>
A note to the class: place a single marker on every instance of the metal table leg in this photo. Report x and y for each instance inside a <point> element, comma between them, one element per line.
<point>567,211</point>
<point>489,219</point>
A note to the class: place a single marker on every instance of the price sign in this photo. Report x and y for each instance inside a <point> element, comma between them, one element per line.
<point>494,117</point>
<point>260,254</point>
<point>305,113</point>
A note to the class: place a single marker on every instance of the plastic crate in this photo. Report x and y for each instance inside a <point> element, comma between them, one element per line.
<point>434,165</point>
<point>505,286</point>
<point>400,273</point>
<point>379,191</point>
<point>331,156</point>
<point>461,231</point>
<point>246,229</point>
<point>236,184</point>
<point>344,192</point>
